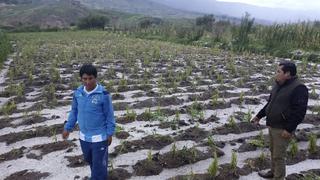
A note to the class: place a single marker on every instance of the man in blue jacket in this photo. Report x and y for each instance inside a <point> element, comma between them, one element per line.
<point>92,109</point>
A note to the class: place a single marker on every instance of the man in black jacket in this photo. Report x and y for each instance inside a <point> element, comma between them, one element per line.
<point>285,109</point>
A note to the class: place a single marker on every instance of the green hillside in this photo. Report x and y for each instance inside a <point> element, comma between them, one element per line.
<point>144,7</point>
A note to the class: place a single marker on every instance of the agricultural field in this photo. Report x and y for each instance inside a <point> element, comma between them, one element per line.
<point>182,112</point>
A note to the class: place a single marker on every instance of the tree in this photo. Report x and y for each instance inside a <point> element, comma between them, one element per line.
<point>206,21</point>
<point>93,21</point>
<point>149,21</point>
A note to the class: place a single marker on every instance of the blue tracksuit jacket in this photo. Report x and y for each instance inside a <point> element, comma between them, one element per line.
<point>94,114</point>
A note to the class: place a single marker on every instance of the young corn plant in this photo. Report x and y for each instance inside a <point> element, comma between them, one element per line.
<point>118,129</point>
<point>214,166</point>
<point>131,115</point>
<point>54,135</point>
<point>262,157</point>
<point>191,175</point>
<point>214,98</point>
<point>149,156</point>
<point>241,97</point>
<point>148,114</point>
<point>174,150</point>
<point>248,116</point>
<point>232,122</point>
<point>234,161</point>
<point>259,142</point>
<point>211,142</point>
<point>9,107</point>
<point>158,115</point>
<point>293,148</point>
<point>313,93</point>
<point>194,153</point>
<point>123,83</point>
<point>177,116</point>
<point>312,143</point>
<point>19,90</point>
<point>175,121</point>
<point>220,79</point>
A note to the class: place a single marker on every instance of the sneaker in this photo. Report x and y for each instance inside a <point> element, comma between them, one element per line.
<point>264,174</point>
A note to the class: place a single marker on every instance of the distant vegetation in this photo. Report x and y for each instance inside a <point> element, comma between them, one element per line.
<point>291,40</point>
<point>4,47</point>
<point>93,21</point>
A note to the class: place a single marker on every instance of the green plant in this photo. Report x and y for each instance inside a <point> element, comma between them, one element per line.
<point>174,150</point>
<point>312,147</point>
<point>131,115</point>
<point>55,74</point>
<point>311,176</point>
<point>50,95</point>
<point>122,84</point>
<point>248,116</point>
<point>148,114</point>
<point>313,93</point>
<point>220,78</point>
<point>111,165</point>
<point>211,142</point>
<point>234,161</point>
<point>54,134</point>
<point>9,107</point>
<point>177,116</point>
<point>123,146</point>
<point>213,168</point>
<point>5,47</point>
<point>259,142</point>
<point>262,157</point>
<point>293,148</point>
<point>149,158</point>
<point>241,97</point>
<point>214,98</point>
<point>158,115</point>
<point>118,128</point>
<point>241,34</point>
<point>93,21</point>
<point>194,153</point>
<point>231,122</point>
<point>191,175</point>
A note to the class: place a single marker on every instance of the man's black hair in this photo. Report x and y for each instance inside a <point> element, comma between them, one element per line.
<point>88,69</point>
<point>288,66</point>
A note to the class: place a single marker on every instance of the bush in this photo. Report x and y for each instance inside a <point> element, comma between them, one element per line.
<point>93,21</point>
<point>147,22</point>
<point>206,21</point>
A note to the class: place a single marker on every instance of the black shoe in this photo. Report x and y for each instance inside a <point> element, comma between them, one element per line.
<point>267,174</point>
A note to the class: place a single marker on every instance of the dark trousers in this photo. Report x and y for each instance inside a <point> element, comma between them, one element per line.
<point>96,154</point>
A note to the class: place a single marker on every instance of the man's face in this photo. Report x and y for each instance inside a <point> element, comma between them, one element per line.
<point>89,81</point>
<point>281,77</point>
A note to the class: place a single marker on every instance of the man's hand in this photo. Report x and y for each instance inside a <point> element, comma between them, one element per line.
<point>109,140</point>
<point>286,134</point>
<point>255,120</point>
<point>65,134</point>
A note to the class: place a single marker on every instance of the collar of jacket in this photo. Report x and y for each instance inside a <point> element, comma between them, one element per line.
<point>99,90</point>
<point>289,81</point>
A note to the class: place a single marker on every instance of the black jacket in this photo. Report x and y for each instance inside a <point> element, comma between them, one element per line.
<point>298,108</point>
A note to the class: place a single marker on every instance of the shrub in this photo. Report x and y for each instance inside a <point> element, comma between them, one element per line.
<point>93,21</point>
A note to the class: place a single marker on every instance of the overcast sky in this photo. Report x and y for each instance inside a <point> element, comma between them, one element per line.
<point>288,4</point>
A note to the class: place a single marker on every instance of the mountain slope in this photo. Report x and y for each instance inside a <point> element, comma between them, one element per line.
<point>44,14</point>
<point>239,9</point>
<point>145,7</point>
